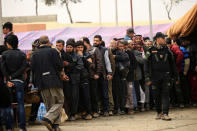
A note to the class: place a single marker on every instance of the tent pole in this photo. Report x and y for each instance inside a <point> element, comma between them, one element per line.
<point>100,17</point>
<point>150,20</point>
<point>116,10</point>
<point>131,4</point>
<point>1,22</point>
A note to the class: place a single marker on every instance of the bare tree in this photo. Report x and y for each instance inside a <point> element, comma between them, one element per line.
<point>63,2</point>
<point>169,4</point>
<point>36,1</point>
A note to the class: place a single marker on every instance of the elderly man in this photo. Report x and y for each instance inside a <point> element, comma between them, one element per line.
<point>46,67</point>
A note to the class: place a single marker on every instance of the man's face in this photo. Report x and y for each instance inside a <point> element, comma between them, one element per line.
<point>97,41</point>
<point>121,46</point>
<point>131,35</point>
<point>161,41</point>
<point>138,39</point>
<point>149,44</point>
<point>6,30</point>
<point>59,46</point>
<point>138,47</point>
<point>69,48</point>
<point>80,48</point>
<point>126,46</point>
<point>113,44</point>
<point>169,45</point>
<point>131,45</point>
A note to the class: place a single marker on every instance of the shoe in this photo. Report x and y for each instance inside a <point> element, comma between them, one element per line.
<point>36,122</point>
<point>194,105</point>
<point>77,116</point>
<point>131,112</point>
<point>115,112</point>
<point>142,110</point>
<point>122,112</point>
<point>95,115</point>
<point>72,118</point>
<point>166,117</point>
<point>111,113</point>
<point>46,122</point>
<point>88,117</point>
<point>147,107</point>
<point>159,116</point>
<point>181,106</point>
<point>105,114</point>
<point>56,127</point>
<point>21,129</point>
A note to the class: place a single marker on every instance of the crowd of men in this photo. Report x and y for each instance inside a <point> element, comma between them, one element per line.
<point>87,80</point>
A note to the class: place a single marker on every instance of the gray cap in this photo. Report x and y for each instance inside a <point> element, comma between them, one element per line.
<point>130,30</point>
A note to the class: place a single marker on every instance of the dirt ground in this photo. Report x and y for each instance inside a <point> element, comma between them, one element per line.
<point>182,120</point>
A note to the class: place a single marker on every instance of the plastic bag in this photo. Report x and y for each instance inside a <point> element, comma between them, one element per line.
<point>142,96</point>
<point>41,111</point>
<point>64,116</point>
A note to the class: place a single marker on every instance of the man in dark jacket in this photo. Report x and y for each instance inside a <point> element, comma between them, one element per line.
<point>14,63</point>
<point>75,65</point>
<point>46,67</point>
<point>159,69</point>
<point>130,78</point>
<point>7,30</point>
<point>105,76</point>
<point>95,70</point>
<point>119,85</point>
<point>66,60</point>
<point>5,100</point>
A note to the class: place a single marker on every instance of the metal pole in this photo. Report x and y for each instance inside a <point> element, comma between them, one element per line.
<point>100,17</point>
<point>131,13</point>
<point>1,32</point>
<point>116,10</point>
<point>150,20</point>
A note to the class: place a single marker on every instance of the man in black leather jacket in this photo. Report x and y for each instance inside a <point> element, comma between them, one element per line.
<point>13,66</point>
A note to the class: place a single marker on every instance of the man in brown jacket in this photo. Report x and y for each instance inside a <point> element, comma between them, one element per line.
<point>95,70</point>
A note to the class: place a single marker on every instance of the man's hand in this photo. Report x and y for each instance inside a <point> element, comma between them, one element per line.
<point>30,84</point>
<point>10,84</point>
<point>109,77</point>
<point>196,68</point>
<point>177,82</point>
<point>185,73</point>
<point>80,53</point>
<point>96,77</point>
<point>89,60</point>
<point>65,77</point>
<point>148,83</point>
<point>66,63</point>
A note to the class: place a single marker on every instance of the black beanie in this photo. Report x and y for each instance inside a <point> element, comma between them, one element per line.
<point>70,42</point>
<point>13,41</point>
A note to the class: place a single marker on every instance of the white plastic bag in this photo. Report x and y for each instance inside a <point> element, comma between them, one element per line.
<point>142,96</point>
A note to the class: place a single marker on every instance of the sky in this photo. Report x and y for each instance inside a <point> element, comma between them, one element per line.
<point>88,10</point>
